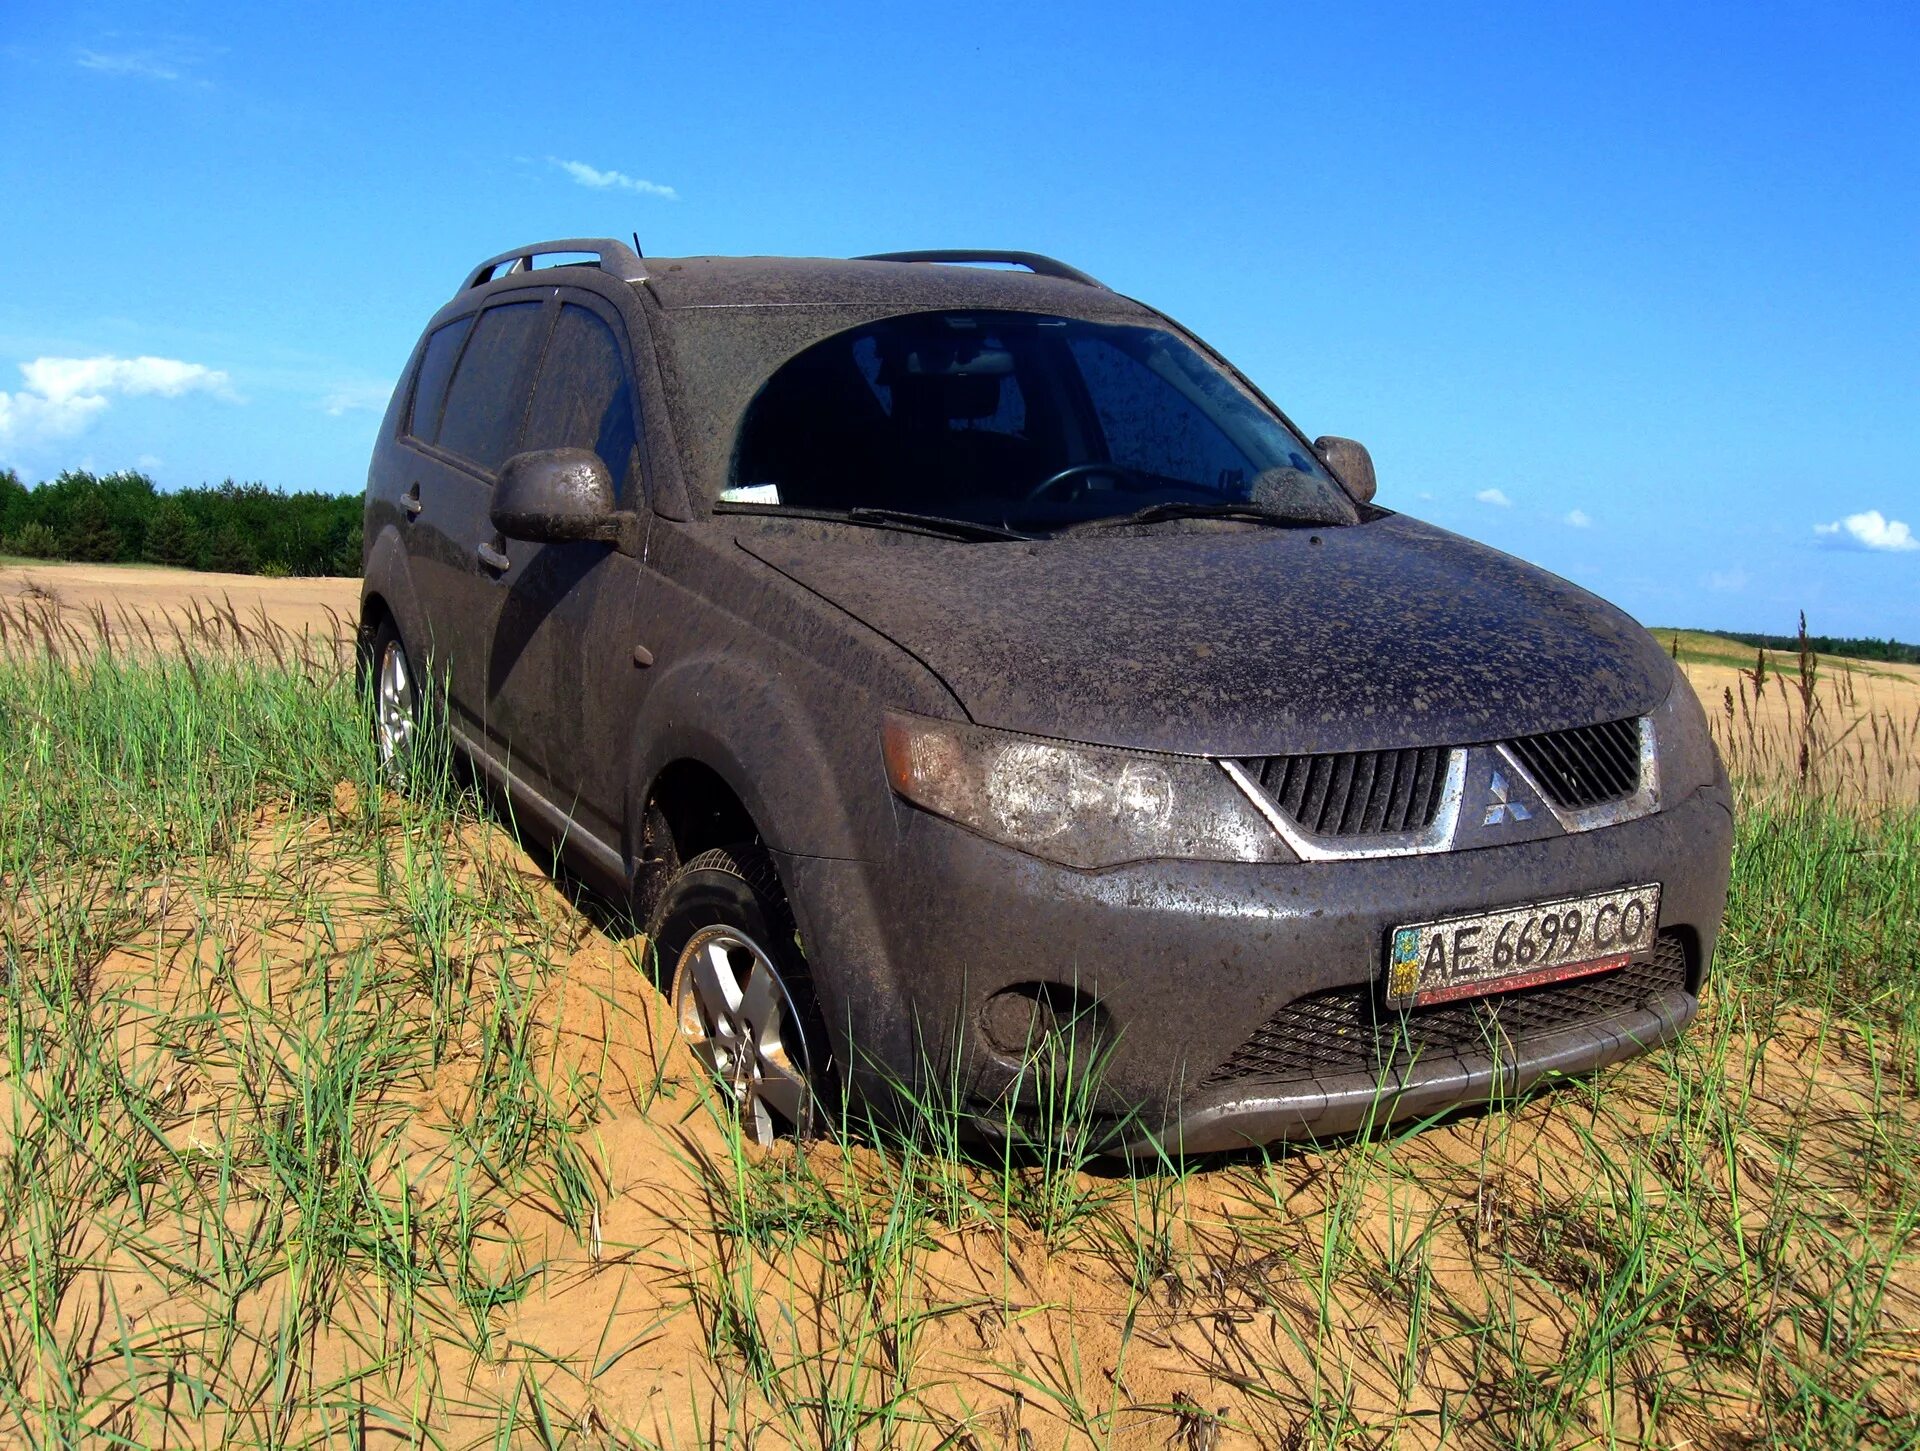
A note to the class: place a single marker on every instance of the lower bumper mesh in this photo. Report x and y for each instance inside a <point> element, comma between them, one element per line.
<point>1346,1030</point>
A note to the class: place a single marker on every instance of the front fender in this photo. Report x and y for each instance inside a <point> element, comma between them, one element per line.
<point>804,773</point>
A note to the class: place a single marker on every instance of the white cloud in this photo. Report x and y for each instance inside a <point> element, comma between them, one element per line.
<point>28,416</point>
<point>61,379</point>
<point>1580,519</point>
<point>356,397</point>
<point>613,180</point>
<point>171,61</point>
<point>128,63</point>
<point>1869,530</point>
<point>63,396</point>
<point>1494,497</point>
<point>1729,581</point>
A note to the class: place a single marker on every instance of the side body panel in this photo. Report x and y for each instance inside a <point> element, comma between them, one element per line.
<point>561,665</point>
<point>395,552</point>
<point>781,695</point>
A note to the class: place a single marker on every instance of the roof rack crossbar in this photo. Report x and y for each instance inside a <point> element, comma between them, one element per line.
<point>1034,262</point>
<point>616,258</point>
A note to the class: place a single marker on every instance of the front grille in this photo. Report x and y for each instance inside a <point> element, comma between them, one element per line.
<point>1586,765</point>
<point>1344,1030</point>
<point>1359,793</point>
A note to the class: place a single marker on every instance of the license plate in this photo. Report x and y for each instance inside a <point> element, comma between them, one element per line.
<point>1516,947</point>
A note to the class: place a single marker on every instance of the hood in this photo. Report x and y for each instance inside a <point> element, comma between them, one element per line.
<point>1243,641</point>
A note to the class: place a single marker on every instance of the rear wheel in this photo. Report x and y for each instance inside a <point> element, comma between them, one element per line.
<point>742,999</point>
<point>393,694</point>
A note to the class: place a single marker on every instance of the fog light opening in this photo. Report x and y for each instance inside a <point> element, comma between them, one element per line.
<point>1029,1018</point>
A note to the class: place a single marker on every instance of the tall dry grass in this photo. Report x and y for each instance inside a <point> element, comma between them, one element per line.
<point>38,623</point>
<point>1813,725</point>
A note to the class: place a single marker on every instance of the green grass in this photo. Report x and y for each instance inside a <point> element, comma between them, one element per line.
<point>323,1118</point>
<point>1701,647</point>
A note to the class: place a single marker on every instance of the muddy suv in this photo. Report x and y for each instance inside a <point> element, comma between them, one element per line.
<point>971,678</point>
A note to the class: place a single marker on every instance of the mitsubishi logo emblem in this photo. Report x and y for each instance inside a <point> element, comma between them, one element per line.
<point>1502,808</point>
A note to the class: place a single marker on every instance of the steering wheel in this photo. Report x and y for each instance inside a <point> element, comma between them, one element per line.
<point>1069,474</point>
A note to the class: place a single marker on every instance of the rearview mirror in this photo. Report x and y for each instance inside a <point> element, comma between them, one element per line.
<point>556,495</point>
<point>1350,463</point>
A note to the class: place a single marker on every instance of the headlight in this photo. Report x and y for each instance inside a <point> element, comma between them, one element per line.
<point>1083,806</point>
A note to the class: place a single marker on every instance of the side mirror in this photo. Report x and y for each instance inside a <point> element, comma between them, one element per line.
<point>556,495</point>
<point>1350,463</point>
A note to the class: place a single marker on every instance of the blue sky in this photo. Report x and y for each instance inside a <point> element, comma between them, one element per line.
<point>1632,291</point>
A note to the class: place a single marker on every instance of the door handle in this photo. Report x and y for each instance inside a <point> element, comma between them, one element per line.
<point>494,559</point>
<point>410,501</point>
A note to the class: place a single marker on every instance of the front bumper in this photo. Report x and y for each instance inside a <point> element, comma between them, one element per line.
<point>1187,959</point>
<point>1251,1114</point>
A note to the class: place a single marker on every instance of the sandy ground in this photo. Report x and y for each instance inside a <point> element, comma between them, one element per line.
<point>1499,1224</point>
<point>131,598</point>
<point>1405,1289</point>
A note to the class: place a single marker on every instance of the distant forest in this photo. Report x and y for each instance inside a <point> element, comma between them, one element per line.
<point>1892,650</point>
<point>123,518</point>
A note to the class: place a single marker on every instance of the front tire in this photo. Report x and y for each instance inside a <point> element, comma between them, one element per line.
<point>741,995</point>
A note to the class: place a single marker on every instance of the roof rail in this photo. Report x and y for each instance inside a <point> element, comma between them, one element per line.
<point>615,258</point>
<point>1034,262</point>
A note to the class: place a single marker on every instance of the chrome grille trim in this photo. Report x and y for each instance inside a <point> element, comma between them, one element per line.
<point>1436,835</point>
<point>1359,793</point>
<point>1644,799</point>
<point>1584,766</point>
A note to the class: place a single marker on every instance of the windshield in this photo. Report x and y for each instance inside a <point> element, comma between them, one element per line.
<point>1030,422</point>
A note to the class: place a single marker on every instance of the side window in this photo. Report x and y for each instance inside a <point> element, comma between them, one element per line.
<point>1150,424</point>
<point>489,393</point>
<point>436,371</point>
<point>584,398</point>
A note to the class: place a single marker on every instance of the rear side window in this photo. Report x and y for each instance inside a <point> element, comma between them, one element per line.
<point>436,371</point>
<point>584,398</point>
<point>489,393</point>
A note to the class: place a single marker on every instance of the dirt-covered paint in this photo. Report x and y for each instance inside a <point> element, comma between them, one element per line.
<point>703,678</point>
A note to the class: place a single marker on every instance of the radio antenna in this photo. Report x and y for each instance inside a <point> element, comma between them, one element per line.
<point>636,246</point>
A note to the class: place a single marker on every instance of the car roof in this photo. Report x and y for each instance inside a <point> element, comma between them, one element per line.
<point>695,282</point>
<point>886,282</point>
<point>733,321</point>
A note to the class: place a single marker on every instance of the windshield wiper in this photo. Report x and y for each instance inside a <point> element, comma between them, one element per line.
<point>905,519</point>
<point>960,528</point>
<point>1178,509</point>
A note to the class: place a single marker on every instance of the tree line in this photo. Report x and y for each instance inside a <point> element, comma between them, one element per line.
<point>122,518</point>
<point>1890,650</point>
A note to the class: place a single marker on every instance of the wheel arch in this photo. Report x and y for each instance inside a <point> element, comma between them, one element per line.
<point>374,612</point>
<point>387,592</point>
<point>762,770</point>
<point>700,808</point>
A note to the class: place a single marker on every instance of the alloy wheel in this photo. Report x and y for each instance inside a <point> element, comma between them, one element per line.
<point>737,1016</point>
<point>393,722</point>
